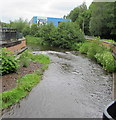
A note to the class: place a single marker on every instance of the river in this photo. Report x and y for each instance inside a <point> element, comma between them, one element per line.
<point>73,86</point>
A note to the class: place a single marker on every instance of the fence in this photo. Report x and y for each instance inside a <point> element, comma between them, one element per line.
<point>7,35</point>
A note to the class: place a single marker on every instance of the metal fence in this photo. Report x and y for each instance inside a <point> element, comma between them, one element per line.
<point>8,35</point>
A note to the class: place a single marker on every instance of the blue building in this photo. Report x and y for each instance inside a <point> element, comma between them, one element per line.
<point>46,20</point>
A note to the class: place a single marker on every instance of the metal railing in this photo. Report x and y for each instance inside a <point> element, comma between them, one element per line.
<point>8,35</point>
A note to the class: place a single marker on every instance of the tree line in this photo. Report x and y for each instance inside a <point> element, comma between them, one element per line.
<point>98,20</point>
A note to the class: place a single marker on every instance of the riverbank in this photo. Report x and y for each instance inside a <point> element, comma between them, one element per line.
<point>9,81</point>
<point>18,85</point>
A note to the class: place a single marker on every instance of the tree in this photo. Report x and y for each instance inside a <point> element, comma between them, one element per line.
<point>33,29</point>
<point>81,16</point>
<point>74,14</point>
<point>102,19</point>
<point>19,24</point>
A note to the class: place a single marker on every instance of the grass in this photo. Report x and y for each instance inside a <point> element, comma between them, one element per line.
<point>35,40</point>
<point>107,40</point>
<point>26,83</point>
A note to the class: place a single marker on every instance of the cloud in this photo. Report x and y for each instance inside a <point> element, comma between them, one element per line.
<point>26,9</point>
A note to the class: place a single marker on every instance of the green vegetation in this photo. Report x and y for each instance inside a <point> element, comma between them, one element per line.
<point>106,60</point>
<point>8,62</point>
<point>108,40</point>
<point>81,15</point>
<point>97,20</point>
<point>100,53</point>
<point>64,36</point>
<point>21,25</point>
<point>27,82</point>
<point>25,85</point>
<point>42,59</point>
<point>103,14</point>
<point>31,39</point>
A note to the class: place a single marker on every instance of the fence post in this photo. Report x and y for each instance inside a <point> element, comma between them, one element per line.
<point>114,85</point>
<point>114,74</point>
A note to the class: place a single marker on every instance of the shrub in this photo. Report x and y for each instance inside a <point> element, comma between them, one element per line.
<point>76,46</point>
<point>24,59</point>
<point>106,60</point>
<point>25,62</point>
<point>63,36</point>
<point>9,63</point>
<point>84,48</point>
<point>95,48</point>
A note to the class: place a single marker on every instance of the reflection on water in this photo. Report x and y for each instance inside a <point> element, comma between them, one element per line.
<point>72,87</point>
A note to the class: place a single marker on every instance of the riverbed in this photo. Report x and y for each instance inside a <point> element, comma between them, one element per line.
<point>73,86</point>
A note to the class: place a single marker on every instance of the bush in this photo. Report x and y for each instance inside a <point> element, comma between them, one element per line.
<point>95,50</point>
<point>68,34</point>
<point>9,63</point>
<point>63,36</point>
<point>24,59</point>
<point>33,40</point>
<point>84,48</point>
<point>106,60</point>
<point>76,46</point>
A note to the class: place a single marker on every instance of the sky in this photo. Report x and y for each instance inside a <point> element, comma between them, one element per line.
<point>26,9</point>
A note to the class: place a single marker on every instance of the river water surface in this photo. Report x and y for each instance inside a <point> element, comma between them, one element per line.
<point>72,87</point>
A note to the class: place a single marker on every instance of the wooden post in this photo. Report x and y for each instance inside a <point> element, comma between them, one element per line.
<point>113,46</point>
<point>114,86</point>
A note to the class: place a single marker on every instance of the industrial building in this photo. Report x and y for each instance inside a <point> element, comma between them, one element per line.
<point>46,20</point>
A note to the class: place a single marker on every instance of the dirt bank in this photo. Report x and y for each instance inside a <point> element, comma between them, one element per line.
<point>7,82</point>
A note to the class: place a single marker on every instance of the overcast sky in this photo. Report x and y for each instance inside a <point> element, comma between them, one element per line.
<point>26,9</point>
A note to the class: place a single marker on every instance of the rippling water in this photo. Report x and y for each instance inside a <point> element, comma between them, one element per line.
<point>72,87</point>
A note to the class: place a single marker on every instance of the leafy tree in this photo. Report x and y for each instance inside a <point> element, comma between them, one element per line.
<point>63,36</point>
<point>46,31</point>
<point>19,24</point>
<point>33,29</point>
<point>83,21</point>
<point>102,20</point>
<point>26,31</point>
<point>81,16</point>
<point>68,34</point>
<point>74,14</point>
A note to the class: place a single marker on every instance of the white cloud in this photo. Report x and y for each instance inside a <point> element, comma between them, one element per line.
<point>26,9</point>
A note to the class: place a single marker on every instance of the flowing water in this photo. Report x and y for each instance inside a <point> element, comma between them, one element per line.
<point>72,87</point>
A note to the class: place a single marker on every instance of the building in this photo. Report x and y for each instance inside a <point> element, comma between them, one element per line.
<point>46,20</point>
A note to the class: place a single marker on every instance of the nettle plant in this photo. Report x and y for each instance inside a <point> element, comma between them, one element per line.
<point>8,62</point>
